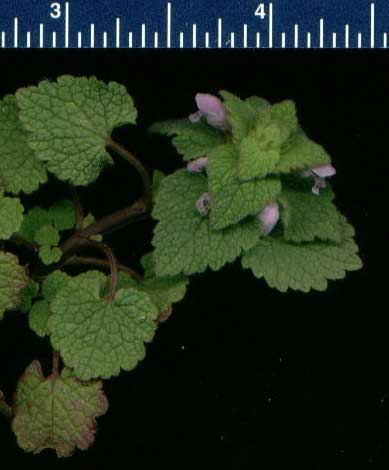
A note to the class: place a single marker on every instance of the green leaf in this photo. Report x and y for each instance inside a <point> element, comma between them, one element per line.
<point>70,122</point>
<point>56,412</point>
<point>307,217</point>
<point>11,216</point>
<point>39,316</point>
<point>63,215</point>
<point>304,266</point>
<point>301,153</point>
<point>192,140</point>
<point>97,337</point>
<point>28,294</point>
<point>163,291</point>
<point>47,235</point>
<point>257,103</point>
<point>184,242</point>
<point>285,115</point>
<point>50,255</point>
<point>32,222</point>
<point>241,115</point>
<point>13,279</point>
<point>158,176</point>
<point>53,283</point>
<point>19,168</point>
<point>259,152</point>
<point>232,199</point>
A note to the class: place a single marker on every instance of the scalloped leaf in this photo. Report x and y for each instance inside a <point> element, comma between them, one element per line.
<point>191,139</point>
<point>56,413</point>
<point>11,216</point>
<point>63,215</point>
<point>307,216</point>
<point>232,199</point>
<point>20,170</point>
<point>70,122</point>
<point>301,153</point>
<point>98,337</point>
<point>38,317</point>
<point>303,266</point>
<point>184,242</point>
<point>13,279</point>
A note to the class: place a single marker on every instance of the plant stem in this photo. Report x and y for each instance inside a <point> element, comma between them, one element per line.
<point>113,266</point>
<point>55,367</point>
<point>101,263</point>
<point>77,207</point>
<point>144,174</point>
<point>118,219</point>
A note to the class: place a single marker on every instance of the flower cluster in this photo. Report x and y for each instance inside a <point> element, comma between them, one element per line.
<point>212,109</point>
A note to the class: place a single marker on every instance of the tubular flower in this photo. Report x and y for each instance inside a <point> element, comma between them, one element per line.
<point>212,109</point>
<point>319,174</point>
<point>203,204</point>
<point>198,165</point>
<point>269,217</point>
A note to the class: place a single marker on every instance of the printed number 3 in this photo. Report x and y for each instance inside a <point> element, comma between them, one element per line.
<point>260,11</point>
<point>55,10</point>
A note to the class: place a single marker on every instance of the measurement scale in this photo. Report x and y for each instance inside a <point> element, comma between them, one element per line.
<point>210,24</point>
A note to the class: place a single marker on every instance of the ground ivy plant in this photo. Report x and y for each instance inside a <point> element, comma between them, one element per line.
<point>253,187</point>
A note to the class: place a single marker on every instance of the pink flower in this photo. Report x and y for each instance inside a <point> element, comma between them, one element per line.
<point>269,217</point>
<point>203,204</point>
<point>212,109</point>
<point>319,174</point>
<point>198,165</point>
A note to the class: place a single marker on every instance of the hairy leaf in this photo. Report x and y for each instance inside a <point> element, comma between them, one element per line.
<point>13,279</point>
<point>28,294</point>
<point>70,122</point>
<point>303,266</point>
<point>98,337</point>
<point>50,254</point>
<point>191,139</point>
<point>32,222</point>
<point>241,115</point>
<point>301,153</point>
<point>232,199</point>
<point>20,170</point>
<point>39,316</point>
<point>11,216</point>
<point>47,235</point>
<point>307,216</point>
<point>63,215</point>
<point>184,242</point>
<point>53,283</point>
<point>56,412</point>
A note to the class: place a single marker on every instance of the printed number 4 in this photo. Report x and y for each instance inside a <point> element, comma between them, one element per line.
<point>55,10</point>
<point>260,11</point>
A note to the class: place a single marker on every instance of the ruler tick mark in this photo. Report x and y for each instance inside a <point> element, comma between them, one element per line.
<point>41,36</point>
<point>296,36</point>
<point>130,43</point>
<point>92,35</point>
<point>79,40</point>
<point>309,40</point>
<point>245,35</point>
<point>359,40</point>
<point>321,43</point>
<point>169,25</point>
<point>219,33</point>
<point>105,40</point>
<point>258,40</point>
<point>156,40</point>
<point>232,43</point>
<point>16,33</point>
<point>347,36</point>
<point>334,40</point>
<point>54,40</point>
<point>28,39</point>
<point>283,40</point>
<point>181,40</point>
<point>143,35</point>
<point>194,36</point>
<point>67,14</point>
<point>117,32</point>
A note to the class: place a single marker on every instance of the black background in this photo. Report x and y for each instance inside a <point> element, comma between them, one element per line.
<point>240,376</point>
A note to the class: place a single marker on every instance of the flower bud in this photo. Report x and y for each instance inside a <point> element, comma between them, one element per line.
<point>212,109</point>
<point>203,204</point>
<point>269,217</point>
<point>198,165</point>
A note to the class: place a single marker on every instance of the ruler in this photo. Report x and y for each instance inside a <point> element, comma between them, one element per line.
<point>191,24</point>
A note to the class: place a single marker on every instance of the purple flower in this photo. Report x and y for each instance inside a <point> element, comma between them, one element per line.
<point>319,174</point>
<point>269,217</point>
<point>203,204</point>
<point>198,165</point>
<point>212,109</point>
